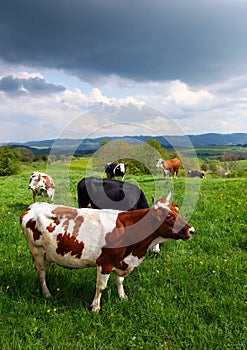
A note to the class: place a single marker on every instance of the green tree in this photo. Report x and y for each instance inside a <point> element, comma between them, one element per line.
<point>52,158</point>
<point>9,161</point>
<point>26,154</point>
<point>113,151</point>
<point>104,142</point>
<point>154,143</point>
<point>63,157</point>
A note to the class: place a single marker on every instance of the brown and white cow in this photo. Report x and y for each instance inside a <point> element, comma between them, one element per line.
<point>42,185</point>
<point>109,240</point>
<point>170,166</point>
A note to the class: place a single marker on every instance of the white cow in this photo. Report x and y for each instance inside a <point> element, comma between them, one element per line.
<point>42,185</point>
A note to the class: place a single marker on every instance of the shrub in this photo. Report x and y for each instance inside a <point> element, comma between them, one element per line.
<point>9,161</point>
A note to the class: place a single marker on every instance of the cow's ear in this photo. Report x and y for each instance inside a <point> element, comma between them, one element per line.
<point>175,206</point>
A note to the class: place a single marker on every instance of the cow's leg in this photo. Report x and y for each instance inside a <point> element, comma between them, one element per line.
<point>119,282</point>
<point>41,265</point>
<point>166,172</point>
<point>175,173</point>
<point>43,196</point>
<point>101,284</point>
<point>83,198</point>
<point>156,248</point>
<point>34,196</point>
<point>51,197</point>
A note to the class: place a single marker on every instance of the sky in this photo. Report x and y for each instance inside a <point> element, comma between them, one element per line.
<point>160,67</point>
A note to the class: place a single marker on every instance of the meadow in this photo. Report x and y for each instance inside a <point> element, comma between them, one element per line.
<point>192,295</point>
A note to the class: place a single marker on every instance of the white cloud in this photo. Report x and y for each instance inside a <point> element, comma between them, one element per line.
<point>184,96</point>
<point>215,108</point>
<point>26,75</point>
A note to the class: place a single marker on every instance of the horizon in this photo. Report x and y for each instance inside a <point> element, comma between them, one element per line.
<point>125,136</point>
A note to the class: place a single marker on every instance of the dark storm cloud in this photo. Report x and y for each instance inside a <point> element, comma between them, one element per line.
<point>36,86</point>
<point>138,39</point>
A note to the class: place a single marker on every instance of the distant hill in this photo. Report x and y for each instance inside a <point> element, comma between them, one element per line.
<point>87,146</point>
<point>214,139</point>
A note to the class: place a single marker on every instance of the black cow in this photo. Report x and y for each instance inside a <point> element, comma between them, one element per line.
<point>114,170</point>
<point>110,194</point>
<point>196,173</point>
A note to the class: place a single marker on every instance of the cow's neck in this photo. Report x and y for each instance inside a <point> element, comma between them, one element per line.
<point>135,231</point>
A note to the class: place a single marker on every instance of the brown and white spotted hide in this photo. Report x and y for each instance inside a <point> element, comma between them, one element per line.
<point>109,240</point>
<point>43,185</point>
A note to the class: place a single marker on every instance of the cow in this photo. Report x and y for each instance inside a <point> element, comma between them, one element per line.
<point>110,194</point>
<point>196,173</point>
<point>43,185</point>
<point>115,170</point>
<point>170,166</point>
<point>222,171</point>
<point>110,240</point>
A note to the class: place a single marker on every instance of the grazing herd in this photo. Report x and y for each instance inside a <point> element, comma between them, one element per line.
<point>113,235</point>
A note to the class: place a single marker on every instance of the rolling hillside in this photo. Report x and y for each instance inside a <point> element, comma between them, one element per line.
<point>87,146</point>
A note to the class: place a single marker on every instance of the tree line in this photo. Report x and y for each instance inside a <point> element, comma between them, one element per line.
<point>141,158</point>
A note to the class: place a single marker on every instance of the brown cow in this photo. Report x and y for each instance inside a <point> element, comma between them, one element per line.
<point>109,240</point>
<point>170,166</point>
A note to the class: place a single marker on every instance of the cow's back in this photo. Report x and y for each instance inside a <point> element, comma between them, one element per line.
<point>110,194</point>
<point>68,236</point>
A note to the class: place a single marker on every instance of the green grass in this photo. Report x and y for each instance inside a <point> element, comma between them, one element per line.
<point>191,296</point>
<point>243,164</point>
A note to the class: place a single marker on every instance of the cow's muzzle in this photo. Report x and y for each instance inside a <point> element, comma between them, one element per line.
<point>190,232</point>
<point>187,234</point>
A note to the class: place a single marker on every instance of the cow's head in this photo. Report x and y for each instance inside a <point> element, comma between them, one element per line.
<point>160,163</point>
<point>122,167</point>
<point>166,202</point>
<point>37,182</point>
<point>169,224</point>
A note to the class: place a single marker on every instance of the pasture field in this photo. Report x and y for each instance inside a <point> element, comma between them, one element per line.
<point>190,296</point>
